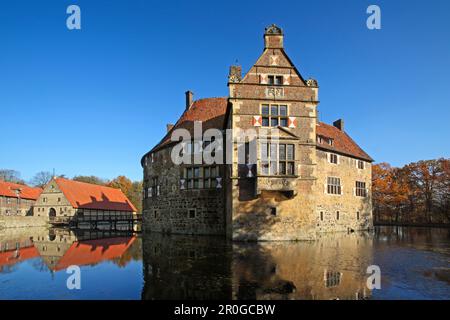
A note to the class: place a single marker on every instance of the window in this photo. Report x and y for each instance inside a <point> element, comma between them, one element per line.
<point>334,185</point>
<point>274,80</point>
<point>44,199</point>
<point>59,199</point>
<point>321,215</point>
<point>155,214</point>
<point>319,139</point>
<point>337,215</point>
<point>273,211</point>
<point>357,215</point>
<point>332,279</point>
<point>191,213</point>
<point>201,177</point>
<point>333,158</point>
<point>153,190</point>
<point>360,164</point>
<point>274,115</point>
<point>277,159</point>
<point>360,190</point>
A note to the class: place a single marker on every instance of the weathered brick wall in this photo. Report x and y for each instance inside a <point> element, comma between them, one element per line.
<point>53,197</point>
<point>169,212</point>
<point>253,201</point>
<point>263,207</point>
<point>13,206</point>
<point>348,204</point>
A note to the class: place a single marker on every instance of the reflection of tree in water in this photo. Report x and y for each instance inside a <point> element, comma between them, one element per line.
<point>133,253</point>
<point>39,265</point>
<point>8,268</point>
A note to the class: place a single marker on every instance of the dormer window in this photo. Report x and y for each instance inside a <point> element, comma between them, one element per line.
<point>275,80</point>
<point>322,139</point>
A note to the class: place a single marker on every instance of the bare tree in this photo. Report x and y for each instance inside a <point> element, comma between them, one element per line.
<point>10,176</point>
<point>41,179</point>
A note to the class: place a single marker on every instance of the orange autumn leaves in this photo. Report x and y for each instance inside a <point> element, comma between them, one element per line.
<point>416,193</point>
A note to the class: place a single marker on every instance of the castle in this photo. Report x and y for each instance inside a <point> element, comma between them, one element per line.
<point>308,179</point>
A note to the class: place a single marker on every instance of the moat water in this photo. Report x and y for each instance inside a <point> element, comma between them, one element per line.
<point>414,264</point>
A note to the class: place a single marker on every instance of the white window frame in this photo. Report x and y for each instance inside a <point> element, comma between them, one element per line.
<point>338,160</point>
<point>363,163</point>
<point>340,185</point>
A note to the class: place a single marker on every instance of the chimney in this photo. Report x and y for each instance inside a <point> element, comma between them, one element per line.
<point>189,99</point>
<point>169,126</point>
<point>273,37</point>
<point>339,124</point>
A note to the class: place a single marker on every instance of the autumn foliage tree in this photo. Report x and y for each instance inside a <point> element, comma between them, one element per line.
<point>133,190</point>
<point>418,192</point>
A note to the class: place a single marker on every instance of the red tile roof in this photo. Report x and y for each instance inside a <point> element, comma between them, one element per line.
<point>12,257</point>
<point>91,196</point>
<point>7,189</point>
<point>94,251</point>
<point>342,143</point>
<point>211,111</point>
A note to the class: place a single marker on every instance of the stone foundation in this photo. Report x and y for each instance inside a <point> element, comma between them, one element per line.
<point>22,222</point>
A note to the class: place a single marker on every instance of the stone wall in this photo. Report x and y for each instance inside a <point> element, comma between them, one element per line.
<point>16,206</point>
<point>273,207</point>
<point>347,204</point>
<point>194,211</point>
<point>22,222</point>
<point>53,198</point>
<point>262,206</point>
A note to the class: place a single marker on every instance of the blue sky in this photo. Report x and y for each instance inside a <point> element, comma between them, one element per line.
<point>93,101</point>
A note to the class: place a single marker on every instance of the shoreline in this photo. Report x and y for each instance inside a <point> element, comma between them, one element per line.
<point>411,224</point>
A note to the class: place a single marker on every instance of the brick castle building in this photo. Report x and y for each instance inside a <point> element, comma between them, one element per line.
<point>66,200</point>
<point>312,178</point>
<point>17,199</point>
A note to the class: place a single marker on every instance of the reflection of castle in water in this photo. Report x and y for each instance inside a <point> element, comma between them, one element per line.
<point>61,248</point>
<point>184,267</point>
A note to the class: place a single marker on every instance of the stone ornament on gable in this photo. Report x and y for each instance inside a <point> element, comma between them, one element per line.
<point>234,78</point>
<point>274,92</point>
<point>273,29</point>
<point>311,82</point>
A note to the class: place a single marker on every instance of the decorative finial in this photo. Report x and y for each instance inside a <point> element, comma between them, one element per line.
<point>273,29</point>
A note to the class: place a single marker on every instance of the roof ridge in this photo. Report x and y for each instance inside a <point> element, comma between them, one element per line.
<point>92,184</point>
